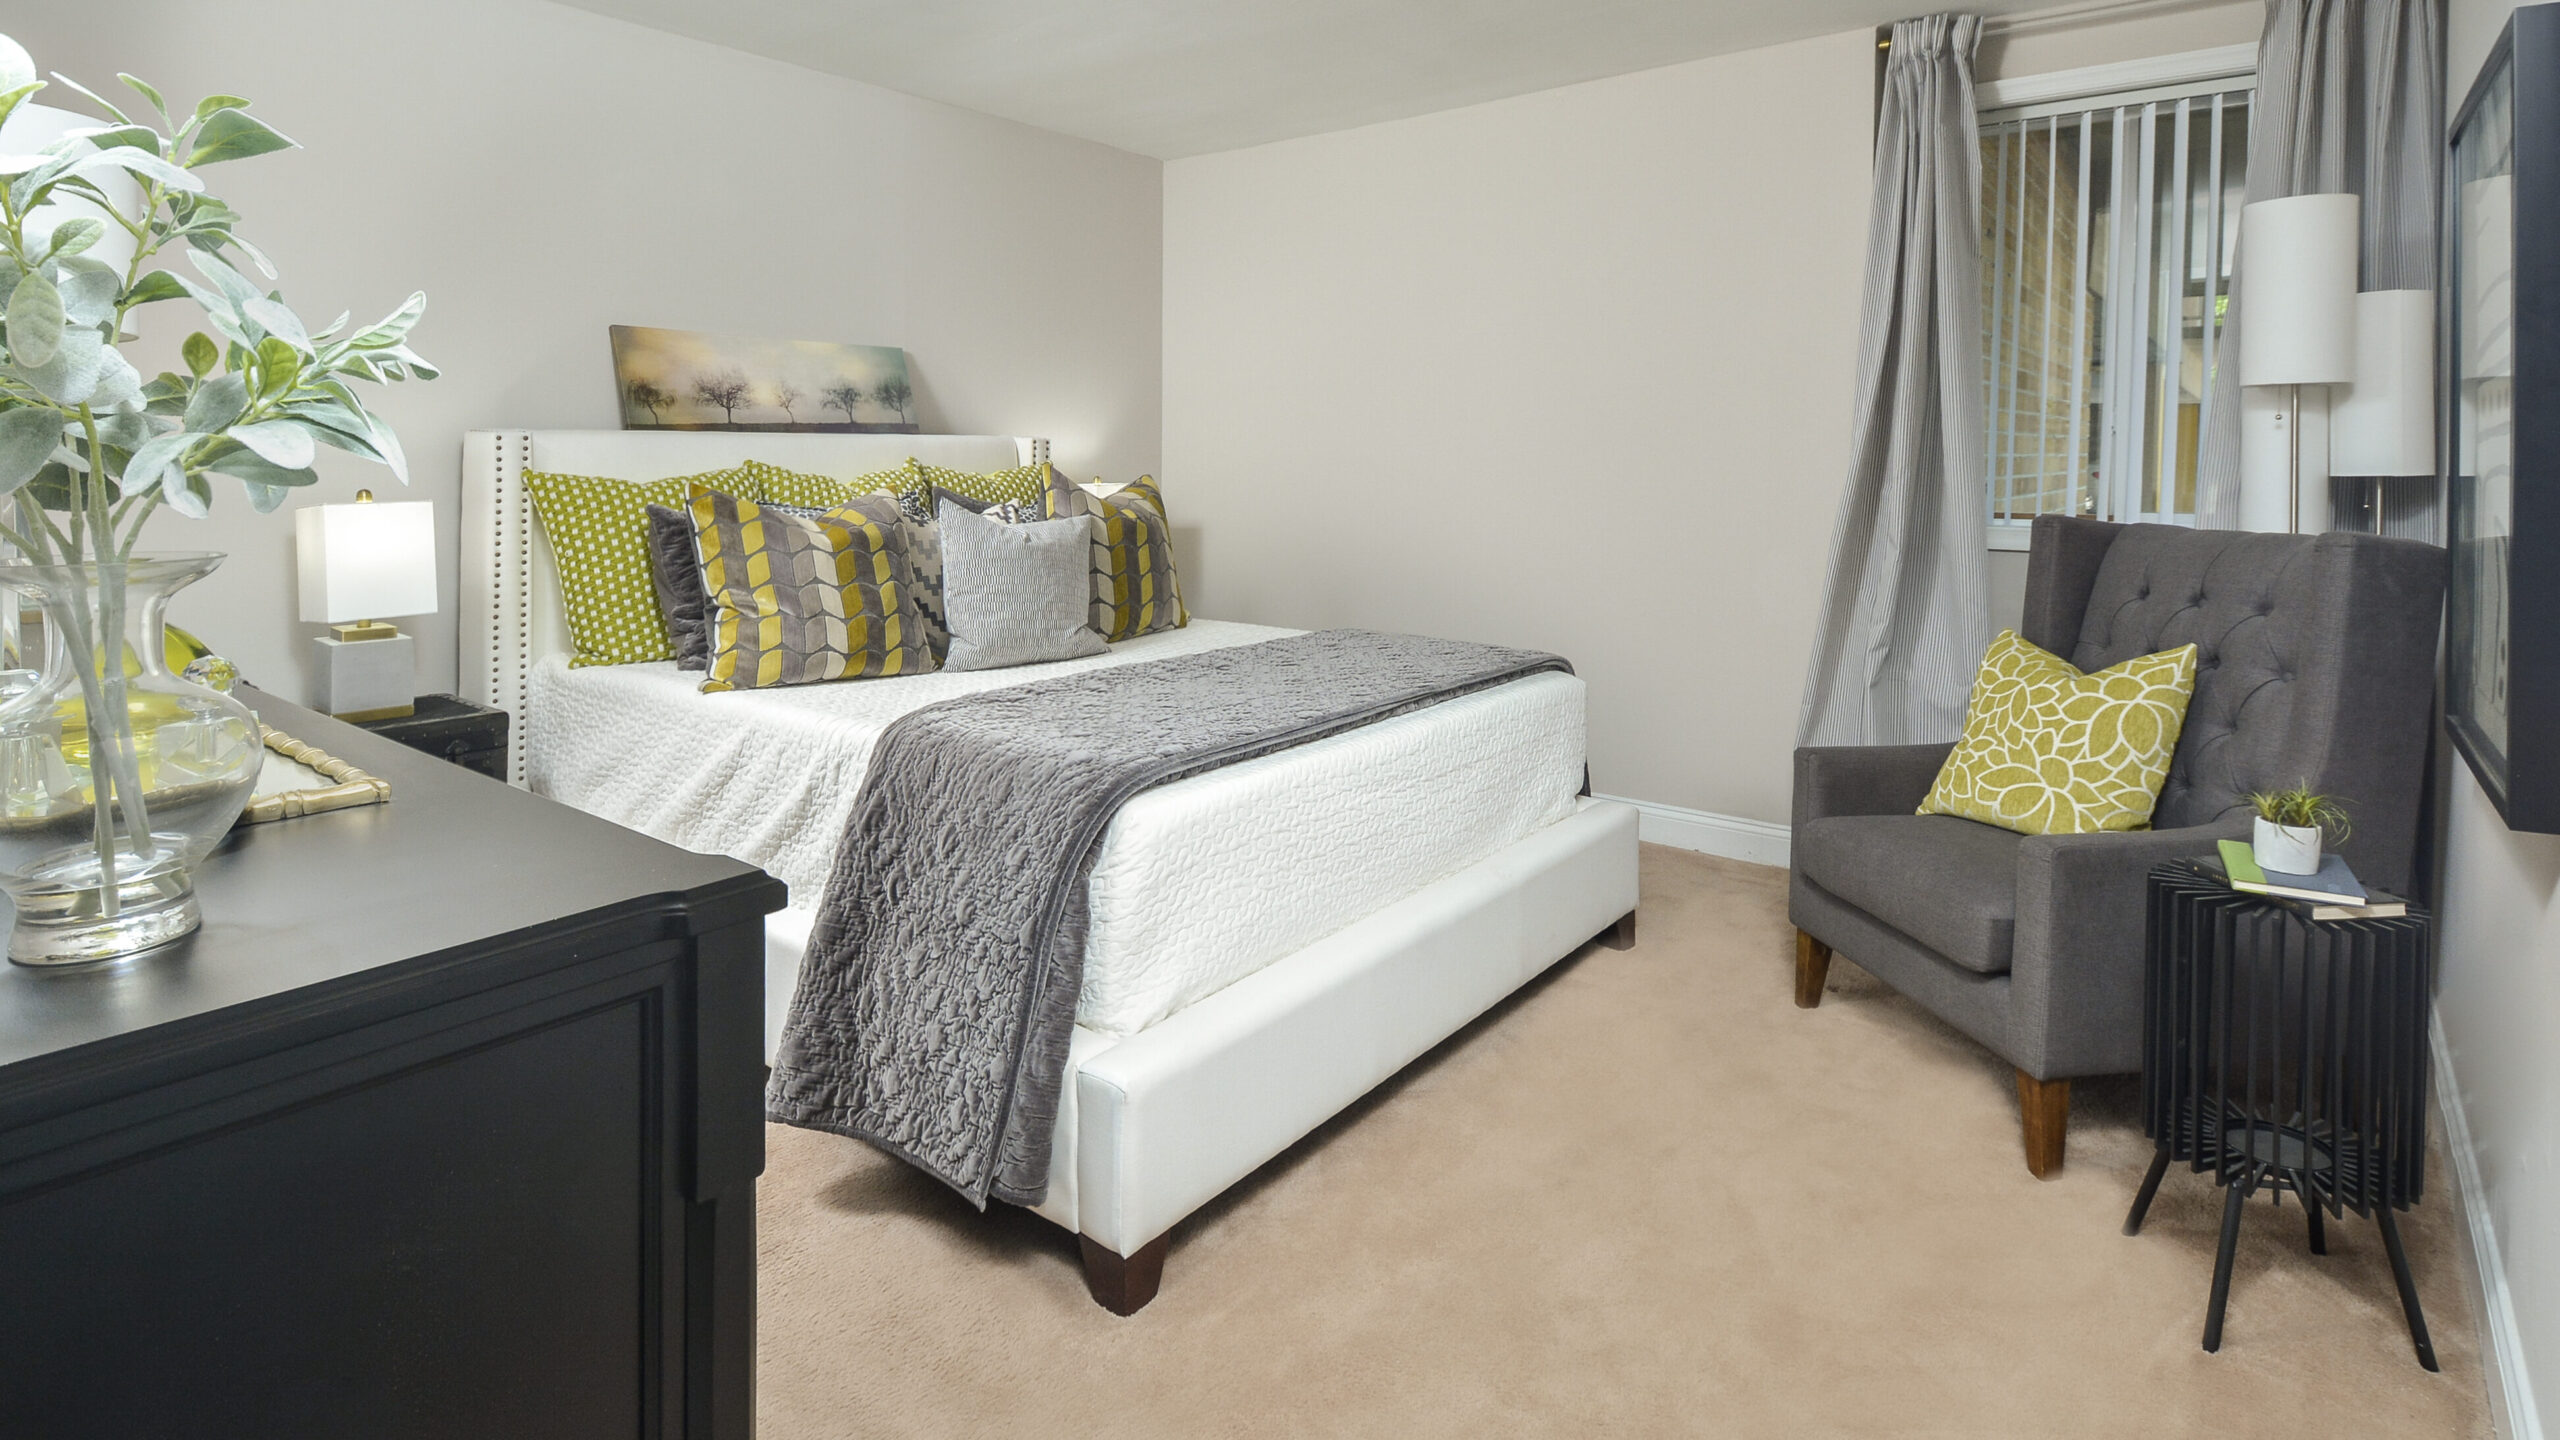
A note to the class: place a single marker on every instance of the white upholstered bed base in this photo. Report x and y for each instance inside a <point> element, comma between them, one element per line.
<point>1153,1125</point>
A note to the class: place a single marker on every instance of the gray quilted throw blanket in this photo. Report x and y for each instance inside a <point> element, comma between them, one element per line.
<point>934,1007</point>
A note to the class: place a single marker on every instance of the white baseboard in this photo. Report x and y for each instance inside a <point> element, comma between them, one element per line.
<point>2511,1402</point>
<point>1757,841</point>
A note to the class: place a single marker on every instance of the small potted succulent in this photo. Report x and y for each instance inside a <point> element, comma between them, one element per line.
<point>2291,825</point>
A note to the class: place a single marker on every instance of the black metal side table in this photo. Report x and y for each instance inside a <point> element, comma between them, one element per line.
<point>2286,1054</point>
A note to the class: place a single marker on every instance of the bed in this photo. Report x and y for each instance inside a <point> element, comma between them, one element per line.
<point>1269,940</point>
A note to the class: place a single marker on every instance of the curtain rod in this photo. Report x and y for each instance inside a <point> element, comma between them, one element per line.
<point>2086,12</point>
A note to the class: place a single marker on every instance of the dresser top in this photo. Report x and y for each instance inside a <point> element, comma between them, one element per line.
<point>306,909</point>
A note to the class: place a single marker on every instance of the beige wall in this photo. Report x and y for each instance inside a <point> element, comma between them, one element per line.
<point>2499,992</point>
<point>543,173</point>
<point>1570,370</point>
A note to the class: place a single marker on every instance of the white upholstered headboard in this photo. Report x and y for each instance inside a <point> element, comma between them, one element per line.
<point>511,611</point>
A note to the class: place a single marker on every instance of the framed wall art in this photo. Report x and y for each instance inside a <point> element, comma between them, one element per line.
<point>684,380</point>
<point>2501,336</point>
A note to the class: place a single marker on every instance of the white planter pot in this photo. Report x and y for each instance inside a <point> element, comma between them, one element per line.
<point>2292,849</point>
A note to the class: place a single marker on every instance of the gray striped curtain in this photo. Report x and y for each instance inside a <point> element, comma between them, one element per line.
<point>2350,99</point>
<point>1904,619</point>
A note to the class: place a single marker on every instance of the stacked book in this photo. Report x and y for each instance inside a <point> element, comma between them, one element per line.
<point>2333,893</point>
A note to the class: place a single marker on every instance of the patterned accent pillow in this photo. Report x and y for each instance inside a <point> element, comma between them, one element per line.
<point>794,487</point>
<point>923,526</point>
<point>1135,588</point>
<point>1023,484</point>
<point>2049,751</point>
<point>599,533</point>
<point>796,600</point>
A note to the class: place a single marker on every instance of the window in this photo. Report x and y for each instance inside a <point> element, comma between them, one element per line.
<point>2109,226</point>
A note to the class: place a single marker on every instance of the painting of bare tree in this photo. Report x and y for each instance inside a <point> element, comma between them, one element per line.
<point>683,380</point>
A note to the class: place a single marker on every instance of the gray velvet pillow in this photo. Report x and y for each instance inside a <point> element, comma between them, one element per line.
<point>682,599</point>
<point>1015,594</point>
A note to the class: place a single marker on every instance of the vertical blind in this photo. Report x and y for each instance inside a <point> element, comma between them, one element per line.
<point>2109,227</point>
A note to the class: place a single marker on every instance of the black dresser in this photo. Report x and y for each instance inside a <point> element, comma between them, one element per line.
<point>446,1124</point>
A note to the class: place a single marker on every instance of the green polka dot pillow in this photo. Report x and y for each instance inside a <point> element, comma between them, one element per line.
<point>820,492</point>
<point>599,533</point>
<point>1024,485</point>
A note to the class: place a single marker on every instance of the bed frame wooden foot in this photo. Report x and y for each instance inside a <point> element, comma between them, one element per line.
<point>1621,936</point>
<point>1124,1284</point>
<point>1813,966</point>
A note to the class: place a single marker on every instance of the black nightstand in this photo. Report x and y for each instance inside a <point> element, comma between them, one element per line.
<point>452,728</point>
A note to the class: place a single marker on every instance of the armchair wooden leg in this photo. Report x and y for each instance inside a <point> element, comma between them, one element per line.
<point>2044,1114</point>
<point>1813,965</point>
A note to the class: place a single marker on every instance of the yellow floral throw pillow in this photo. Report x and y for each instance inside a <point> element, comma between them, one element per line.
<point>2050,751</point>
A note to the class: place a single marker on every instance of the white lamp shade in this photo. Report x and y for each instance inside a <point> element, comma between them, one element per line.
<point>2298,290</point>
<point>29,130</point>
<point>2488,265</point>
<point>2385,422</point>
<point>366,561</point>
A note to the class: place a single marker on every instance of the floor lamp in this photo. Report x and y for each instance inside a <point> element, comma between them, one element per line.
<point>2384,424</point>
<point>2297,328</point>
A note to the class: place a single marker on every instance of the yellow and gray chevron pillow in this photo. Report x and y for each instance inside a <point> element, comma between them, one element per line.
<point>1135,588</point>
<point>2049,751</point>
<point>598,527</point>
<point>800,599</point>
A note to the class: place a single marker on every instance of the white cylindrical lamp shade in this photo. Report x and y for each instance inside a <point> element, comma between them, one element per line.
<point>30,130</point>
<point>2298,290</point>
<point>366,561</point>
<point>2385,422</point>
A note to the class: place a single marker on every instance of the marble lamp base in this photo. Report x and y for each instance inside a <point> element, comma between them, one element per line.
<point>361,680</point>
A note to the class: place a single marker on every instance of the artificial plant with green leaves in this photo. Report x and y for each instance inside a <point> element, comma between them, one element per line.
<point>89,450</point>
<point>87,447</point>
<point>2302,808</point>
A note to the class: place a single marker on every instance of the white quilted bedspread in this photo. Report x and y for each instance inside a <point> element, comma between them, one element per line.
<point>1198,884</point>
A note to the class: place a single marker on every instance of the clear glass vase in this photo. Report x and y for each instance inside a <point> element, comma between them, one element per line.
<point>116,779</point>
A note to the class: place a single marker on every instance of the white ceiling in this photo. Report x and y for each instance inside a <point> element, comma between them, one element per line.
<point>1170,78</point>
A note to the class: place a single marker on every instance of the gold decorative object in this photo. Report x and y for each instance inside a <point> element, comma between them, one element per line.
<point>353,787</point>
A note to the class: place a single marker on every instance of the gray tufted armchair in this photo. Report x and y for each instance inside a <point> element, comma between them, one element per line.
<point>2315,663</point>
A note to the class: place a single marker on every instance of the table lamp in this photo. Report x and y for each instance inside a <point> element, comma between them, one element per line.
<point>359,564</point>
<point>2298,314</point>
<point>29,129</point>
<point>2384,424</point>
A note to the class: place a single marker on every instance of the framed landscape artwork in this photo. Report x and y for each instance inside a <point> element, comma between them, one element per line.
<point>683,380</point>
<point>2501,309</point>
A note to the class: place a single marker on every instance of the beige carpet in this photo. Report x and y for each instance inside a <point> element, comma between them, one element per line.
<point>1647,1197</point>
